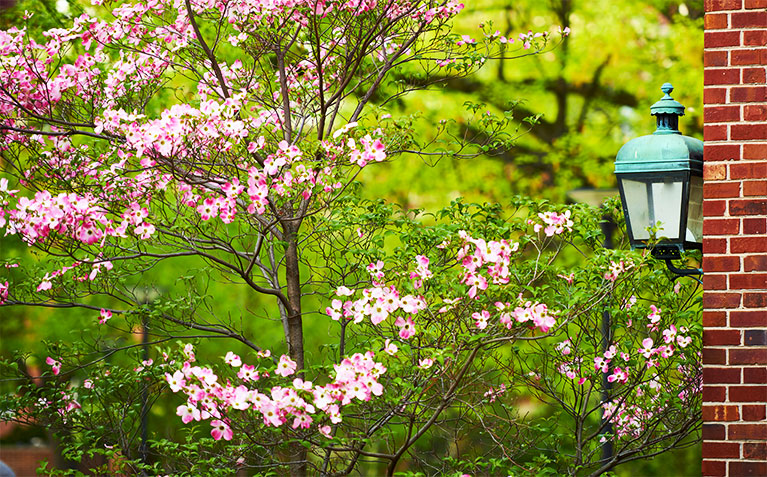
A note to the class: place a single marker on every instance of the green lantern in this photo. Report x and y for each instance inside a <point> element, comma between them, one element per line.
<point>660,178</point>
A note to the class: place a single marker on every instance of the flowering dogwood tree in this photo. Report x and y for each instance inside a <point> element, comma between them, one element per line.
<point>232,132</point>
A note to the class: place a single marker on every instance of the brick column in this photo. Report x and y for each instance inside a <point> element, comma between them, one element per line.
<point>735,239</point>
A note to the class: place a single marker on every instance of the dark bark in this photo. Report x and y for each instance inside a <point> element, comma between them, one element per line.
<point>297,454</point>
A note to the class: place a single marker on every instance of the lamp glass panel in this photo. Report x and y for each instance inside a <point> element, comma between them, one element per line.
<point>637,204</point>
<point>649,200</point>
<point>667,201</point>
<point>695,211</point>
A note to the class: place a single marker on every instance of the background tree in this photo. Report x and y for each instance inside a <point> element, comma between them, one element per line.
<point>594,93</point>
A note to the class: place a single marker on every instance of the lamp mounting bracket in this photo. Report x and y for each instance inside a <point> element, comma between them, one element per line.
<point>684,272</point>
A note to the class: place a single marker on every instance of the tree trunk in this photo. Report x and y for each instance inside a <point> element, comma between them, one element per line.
<point>297,454</point>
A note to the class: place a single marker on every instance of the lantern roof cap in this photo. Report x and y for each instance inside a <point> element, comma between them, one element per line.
<point>660,153</point>
<point>667,104</point>
<point>666,150</point>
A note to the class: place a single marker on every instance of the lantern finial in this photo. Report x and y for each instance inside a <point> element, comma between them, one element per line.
<point>667,111</point>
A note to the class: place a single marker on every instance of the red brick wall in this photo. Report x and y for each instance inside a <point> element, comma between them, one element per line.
<point>735,239</point>
<point>25,460</point>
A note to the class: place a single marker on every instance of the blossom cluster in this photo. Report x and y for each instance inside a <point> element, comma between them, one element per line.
<point>627,419</point>
<point>622,361</point>
<point>298,405</point>
<point>478,253</point>
<point>527,311</point>
<point>96,266</point>
<point>378,304</point>
<point>553,223</point>
<point>616,268</point>
<point>146,47</point>
<point>605,362</point>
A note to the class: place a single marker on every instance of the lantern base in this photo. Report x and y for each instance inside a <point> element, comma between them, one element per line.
<point>666,252</point>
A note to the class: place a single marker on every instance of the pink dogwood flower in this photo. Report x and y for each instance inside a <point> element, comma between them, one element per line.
<point>55,365</point>
<point>105,316</point>
<point>221,430</point>
<point>286,366</point>
<point>407,327</point>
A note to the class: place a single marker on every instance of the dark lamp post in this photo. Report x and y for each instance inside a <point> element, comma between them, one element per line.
<point>660,179</point>
<point>145,296</point>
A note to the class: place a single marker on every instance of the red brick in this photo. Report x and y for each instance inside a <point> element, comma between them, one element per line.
<point>748,20</point>
<point>747,394</point>
<point>713,432</point>
<point>721,76</point>
<point>754,76</point>
<point>721,226</point>
<point>721,338</point>
<point>755,450</point>
<point>720,413</point>
<point>713,468</point>
<point>714,282</point>
<point>715,133</point>
<point>748,319</point>
<point>755,151</point>
<point>715,21</point>
<point>714,208</point>
<point>749,207</point>
<point>752,4</point>
<point>747,432</point>
<point>743,468</point>
<point>755,375</point>
<point>721,300</point>
<point>753,188</point>
<point>721,152</point>
<point>745,57</point>
<point>716,5</point>
<point>714,355</point>
<point>755,112</point>
<point>720,39</point>
<point>714,393</point>
<point>720,114</point>
<point>720,450</point>
<point>755,300</point>
<point>721,264</point>
<point>753,170</point>
<point>755,263</point>
<point>747,244</point>
<point>714,95</point>
<point>721,190</point>
<point>748,131</point>
<point>714,318</point>
<point>711,245</point>
<point>747,356</point>
<point>755,226</point>
<point>749,281</point>
<point>715,57</point>
<point>763,56</point>
<point>721,376</point>
<point>713,172</point>
<point>757,412</point>
<point>755,38</point>
<point>748,94</point>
